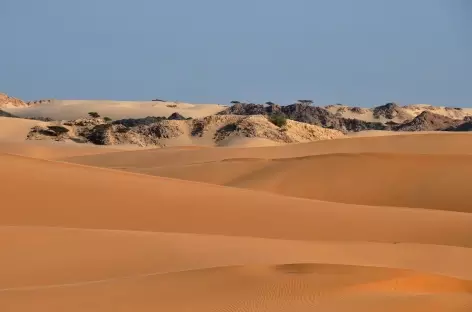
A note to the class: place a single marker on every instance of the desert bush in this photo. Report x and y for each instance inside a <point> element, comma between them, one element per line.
<point>171,105</point>
<point>278,119</point>
<point>94,115</point>
<point>229,128</point>
<point>40,118</point>
<point>58,129</point>
<point>133,122</point>
<point>270,103</point>
<point>107,119</point>
<point>235,102</point>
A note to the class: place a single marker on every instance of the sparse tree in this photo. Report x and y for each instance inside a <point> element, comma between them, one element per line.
<point>94,115</point>
<point>270,103</point>
<point>235,102</point>
<point>107,119</point>
<point>306,102</point>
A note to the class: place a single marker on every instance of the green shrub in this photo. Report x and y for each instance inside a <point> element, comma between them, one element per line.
<point>278,119</point>
<point>94,115</point>
<point>107,119</point>
<point>58,129</point>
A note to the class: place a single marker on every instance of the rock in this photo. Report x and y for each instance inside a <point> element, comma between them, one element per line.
<point>357,110</point>
<point>10,102</point>
<point>51,132</point>
<point>258,126</point>
<point>215,128</point>
<point>390,111</point>
<point>176,116</point>
<point>245,109</point>
<point>427,121</point>
<point>303,112</point>
<point>133,122</point>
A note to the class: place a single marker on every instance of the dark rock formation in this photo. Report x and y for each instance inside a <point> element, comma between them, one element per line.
<point>133,122</point>
<point>176,116</point>
<point>465,125</point>
<point>427,121</point>
<point>390,111</point>
<point>304,112</point>
<point>245,109</point>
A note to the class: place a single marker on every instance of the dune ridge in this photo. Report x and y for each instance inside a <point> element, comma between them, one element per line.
<point>416,180</point>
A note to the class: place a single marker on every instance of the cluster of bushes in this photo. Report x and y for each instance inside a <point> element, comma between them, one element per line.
<point>279,120</point>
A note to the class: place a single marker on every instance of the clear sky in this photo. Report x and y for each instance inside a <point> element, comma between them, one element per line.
<point>356,52</point>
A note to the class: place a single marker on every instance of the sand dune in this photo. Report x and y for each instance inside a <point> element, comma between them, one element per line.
<point>259,288</point>
<point>74,109</point>
<point>66,195</point>
<point>52,150</point>
<point>437,143</point>
<point>15,129</point>
<point>424,181</point>
<point>67,256</point>
<point>78,237</point>
<point>424,171</point>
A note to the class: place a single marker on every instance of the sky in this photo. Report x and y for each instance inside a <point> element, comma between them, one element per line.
<point>355,52</point>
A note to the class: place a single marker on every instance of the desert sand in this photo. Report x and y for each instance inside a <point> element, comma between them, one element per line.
<point>74,109</point>
<point>381,223</point>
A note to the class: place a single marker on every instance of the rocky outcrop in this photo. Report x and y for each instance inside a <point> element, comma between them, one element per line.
<point>158,133</point>
<point>466,125</point>
<point>176,116</point>
<point>245,109</point>
<point>390,111</point>
<point>10,102</point>
<point>133,122</point>
<point>356,125</point>
<point>52,132</point>
<point>306,113</point>
<point>258,126</point>
<point>427,121</point>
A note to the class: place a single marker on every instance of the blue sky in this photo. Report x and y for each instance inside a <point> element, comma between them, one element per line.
<point>357,52</point>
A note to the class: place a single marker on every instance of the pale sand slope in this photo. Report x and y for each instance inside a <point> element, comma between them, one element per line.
<point>405,180</point>
<point>437,143</point>
<point>53,150</point>
<point>15,129</point>
<point>216,273</point>
<point>74,109</point>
